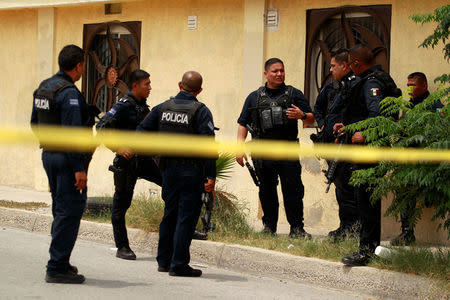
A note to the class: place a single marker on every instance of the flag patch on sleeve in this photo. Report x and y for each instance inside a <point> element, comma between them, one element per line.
<point>73,102</point>
<point>375,92</point>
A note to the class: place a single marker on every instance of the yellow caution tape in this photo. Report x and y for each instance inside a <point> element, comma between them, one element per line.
<point>77,139</point>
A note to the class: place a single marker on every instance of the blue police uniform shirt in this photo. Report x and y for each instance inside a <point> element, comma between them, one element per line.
<point>124,114</point>
<point>72,107</point>
<point>297,98</point>
<point>329,111</point>
<point>203,125</point>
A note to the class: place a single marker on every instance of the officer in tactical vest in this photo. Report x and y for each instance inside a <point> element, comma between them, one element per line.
<point>58,102</point>
<point>328,111</point>
<point>363,102</point>
<point>271,112</point>
<point>183,177</point>
<point>126,114</point>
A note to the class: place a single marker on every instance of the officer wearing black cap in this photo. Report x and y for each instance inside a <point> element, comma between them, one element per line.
<point>58,102</point>
<point>126,114</point>
<point>183,177</point>
<point>271,112</point>
<point>328,111</point>
<point>363,102</point>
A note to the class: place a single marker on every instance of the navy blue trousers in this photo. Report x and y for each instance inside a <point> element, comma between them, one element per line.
<point>370,218</point>
<point>291,187</point>
<point>181,191</point>
<point>345,196</point>
<point>67,208</point>
<point>124,182</point>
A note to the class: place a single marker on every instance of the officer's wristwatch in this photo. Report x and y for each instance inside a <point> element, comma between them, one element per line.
<point>304,117</point>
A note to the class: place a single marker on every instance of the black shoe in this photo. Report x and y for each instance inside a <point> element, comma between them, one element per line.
<point>73,269</point>
<point>185,271</point>
<point>163,269</point>
<point>356,259</point>
<point>267,230</point>
<point>299,233</point>
<point>199,236</point>
<point>125,253</point>
<point>406,238</point>
<point>67,277</point>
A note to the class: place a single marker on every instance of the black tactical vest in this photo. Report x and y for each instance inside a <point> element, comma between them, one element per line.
<point>140,108</point>
<point>44,99</point>
<point>269,118</point>
<point>177,117</point>
<point>356,110</point>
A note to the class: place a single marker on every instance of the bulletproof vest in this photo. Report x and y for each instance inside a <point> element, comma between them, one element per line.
<point>141,109</point>
<point>269,117</point>
<point>356,110</point>
<point>178,117</point>
<point>44,99</point>
<point>332,92</point>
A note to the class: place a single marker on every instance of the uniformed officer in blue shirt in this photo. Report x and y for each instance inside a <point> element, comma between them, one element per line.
<point>363,102</point>
<point>183,177</point>
<point>126,114</point>
<point>419,84</point>
<point>58,102</point>
<point>328,111</point>
<point>271,112</point>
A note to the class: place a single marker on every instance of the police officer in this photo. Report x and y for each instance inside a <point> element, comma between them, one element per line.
<point>327,112</point>
<point>419,84</point>
<point>271,112</point>
<point>362,102</point>
<point>58,102</point>
<point>183,178</point>
<point>126,114</point>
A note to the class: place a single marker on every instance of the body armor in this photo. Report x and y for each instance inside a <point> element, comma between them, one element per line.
<point>141,109</point>
<point>44,99</point>
<point>356,110</point>
<point>269,118</point>
<point>178,118</point>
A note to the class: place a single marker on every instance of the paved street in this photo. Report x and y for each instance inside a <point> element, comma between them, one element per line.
<point>24,254</point>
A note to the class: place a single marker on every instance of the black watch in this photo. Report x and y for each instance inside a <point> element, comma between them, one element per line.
<point>304,117</point>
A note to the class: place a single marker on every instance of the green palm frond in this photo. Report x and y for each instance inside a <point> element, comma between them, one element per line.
<point>224,165</point>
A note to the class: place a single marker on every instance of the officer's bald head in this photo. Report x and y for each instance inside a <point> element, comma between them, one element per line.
<point>191,82</point>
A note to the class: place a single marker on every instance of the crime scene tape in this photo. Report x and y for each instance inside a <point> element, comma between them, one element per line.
<point>83,140</point>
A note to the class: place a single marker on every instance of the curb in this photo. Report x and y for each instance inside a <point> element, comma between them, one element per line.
<point>366,280</point>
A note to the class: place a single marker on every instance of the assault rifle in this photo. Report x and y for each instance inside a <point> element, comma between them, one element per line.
<point>329,174</point>
<point>208,226</point>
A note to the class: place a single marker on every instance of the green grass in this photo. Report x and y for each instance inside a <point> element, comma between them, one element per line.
<point>23,205</point>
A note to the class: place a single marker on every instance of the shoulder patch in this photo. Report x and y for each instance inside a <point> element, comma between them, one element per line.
<point>210,126</point>
<point>123,100</point>
<point>73,102</point>
<point>112,111</point>
<point>375,92</point>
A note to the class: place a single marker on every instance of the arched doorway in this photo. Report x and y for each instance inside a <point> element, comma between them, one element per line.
<point>343,27</point>
<point>112,53</point>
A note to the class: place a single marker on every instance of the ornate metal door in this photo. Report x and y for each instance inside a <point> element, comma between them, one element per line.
<point>343,27</point>
<point>112,53</point>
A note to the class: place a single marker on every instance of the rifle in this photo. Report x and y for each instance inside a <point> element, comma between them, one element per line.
<point>247,164</point>
<point>208,200</point>
<point>252,173</point>
<point>329,174</point>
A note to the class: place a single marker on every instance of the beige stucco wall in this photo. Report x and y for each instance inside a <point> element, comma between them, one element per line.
<point>228,48</point>
<point>18,59</point>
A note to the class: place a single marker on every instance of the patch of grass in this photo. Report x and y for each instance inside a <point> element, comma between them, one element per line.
<point>145,213</point>
<point>23,205</point>
<point>100,216</point>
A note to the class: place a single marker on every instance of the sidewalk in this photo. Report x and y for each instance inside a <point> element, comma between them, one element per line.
<point>379,283</point>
